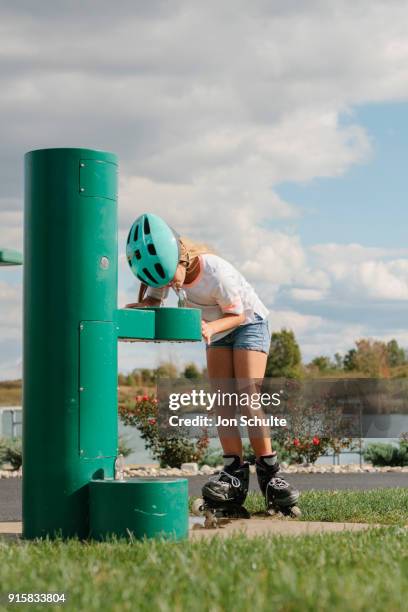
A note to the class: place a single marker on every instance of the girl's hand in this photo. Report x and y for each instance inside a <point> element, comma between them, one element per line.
<point>206,331</point>
<point>149,301</point>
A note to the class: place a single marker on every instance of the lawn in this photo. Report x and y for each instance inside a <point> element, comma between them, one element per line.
<point>381,506</point>
<point>360,571</point>
<point>365,570</point>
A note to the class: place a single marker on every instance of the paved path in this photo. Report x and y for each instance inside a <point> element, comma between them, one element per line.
<point>10,489</point>
<point>331,482</point>
<point>258,527</point>
<point>252,528</point>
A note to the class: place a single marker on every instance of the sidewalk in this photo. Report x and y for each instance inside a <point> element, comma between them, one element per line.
<point>251,528</point>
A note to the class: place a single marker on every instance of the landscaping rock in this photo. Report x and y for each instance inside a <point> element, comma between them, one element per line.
<point>191,468</point>
<point>206,470</point>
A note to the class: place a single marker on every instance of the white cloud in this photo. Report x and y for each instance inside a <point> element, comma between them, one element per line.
<point>296,321</point>
<point>307,295</point>
<point>317,335</point>
<point>364,273</point>
<point>209,106</point>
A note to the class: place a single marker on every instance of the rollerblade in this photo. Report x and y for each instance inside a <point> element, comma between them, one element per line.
<point>224,494</point>
<point>280,497</point>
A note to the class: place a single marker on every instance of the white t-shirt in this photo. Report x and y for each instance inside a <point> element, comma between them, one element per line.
<point>218,289</point>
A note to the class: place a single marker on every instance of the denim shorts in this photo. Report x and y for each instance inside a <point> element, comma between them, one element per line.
<point>253,336</point>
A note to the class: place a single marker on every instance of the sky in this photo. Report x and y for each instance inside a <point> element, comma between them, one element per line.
<point>276,132</point>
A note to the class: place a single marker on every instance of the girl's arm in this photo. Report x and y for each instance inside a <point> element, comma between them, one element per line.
<point>149,296</point>
<point>228,321</point>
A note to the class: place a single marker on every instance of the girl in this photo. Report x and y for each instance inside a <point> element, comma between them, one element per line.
<point>235,329</point>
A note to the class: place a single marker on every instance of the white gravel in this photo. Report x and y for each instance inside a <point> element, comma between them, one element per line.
<point>291,469</point>
<point>11,473</point>
<point>193,470</point>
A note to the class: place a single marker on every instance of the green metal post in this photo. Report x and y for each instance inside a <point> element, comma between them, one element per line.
<point>139,507</point>
<point>70,342</point>
<point>71,330</point>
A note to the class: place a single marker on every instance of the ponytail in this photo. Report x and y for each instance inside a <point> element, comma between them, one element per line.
<point>189,250</point>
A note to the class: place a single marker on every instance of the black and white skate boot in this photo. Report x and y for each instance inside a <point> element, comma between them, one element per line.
<point>280,497</point>
<point>225,493</point>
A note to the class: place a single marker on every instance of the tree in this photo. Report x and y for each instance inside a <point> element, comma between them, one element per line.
<point>166,370</point>
<point>322,363</point>
<point>191,371</point>
<point>284,357</point>
<point>122,379</point>
<point>147,375</point>
<point>349,361</point>
<point>370,357</point>
<point>395,354</point>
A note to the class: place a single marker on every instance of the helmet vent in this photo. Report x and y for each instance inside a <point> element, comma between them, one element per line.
<point>159,270</point>
<point>138,255</point>
<point>136,233</point>
<point>128,238</point>
<point>149,276</point>
<point>151,249</point>
<point>146,226</point>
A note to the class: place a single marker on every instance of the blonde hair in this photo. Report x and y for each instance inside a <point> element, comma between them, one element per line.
<point>189,250</point>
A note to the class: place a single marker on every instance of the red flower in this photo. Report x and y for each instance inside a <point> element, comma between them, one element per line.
<point>316,441</point>
<point>145,398</point>
<point>152,421</point>
<point>296,442</point>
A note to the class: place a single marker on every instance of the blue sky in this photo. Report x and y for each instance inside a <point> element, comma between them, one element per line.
<point>368,204</point>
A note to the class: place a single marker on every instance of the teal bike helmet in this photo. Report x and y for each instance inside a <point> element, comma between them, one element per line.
<point>152,250</point>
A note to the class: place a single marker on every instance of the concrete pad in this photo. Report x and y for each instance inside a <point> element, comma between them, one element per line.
<point>251,528</point>
<point>265,527</point>
<point>11,530</point>
<point>11,527</point>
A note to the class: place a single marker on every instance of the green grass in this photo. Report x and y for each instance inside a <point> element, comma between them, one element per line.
<point>348,571</point>
<point>358,571</point>
<point>383,506</point>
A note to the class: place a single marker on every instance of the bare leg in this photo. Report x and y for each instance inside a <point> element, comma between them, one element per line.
<point>221,368</point>
<point>251,365</point>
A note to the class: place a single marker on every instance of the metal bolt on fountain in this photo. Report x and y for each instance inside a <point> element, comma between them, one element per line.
<point>71,329</point>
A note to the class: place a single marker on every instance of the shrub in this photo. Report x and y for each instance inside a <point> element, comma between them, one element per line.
<point>170,451</point>
<point>306,449</point>
<point>214,456</point>
<point>124,449</point>
<point>381,454</point>
<point>3,449</point>
<point>315,424</point>
<point>11,452</point>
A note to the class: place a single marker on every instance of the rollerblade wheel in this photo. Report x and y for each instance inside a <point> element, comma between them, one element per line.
<point>295,512</point>
<point>211,520</point>
<point>198,507</point>
<point>274,512</point>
